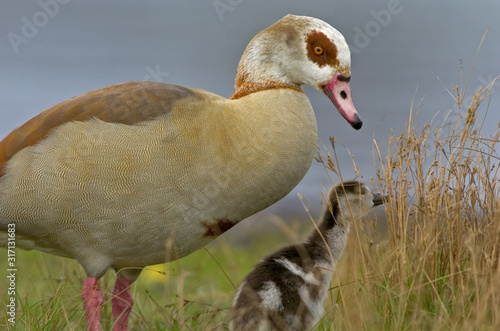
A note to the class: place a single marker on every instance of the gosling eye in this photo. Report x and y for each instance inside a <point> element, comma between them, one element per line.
<point>318,50</point>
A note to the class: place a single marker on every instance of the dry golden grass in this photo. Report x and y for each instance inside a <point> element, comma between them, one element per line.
<point>439,268</point>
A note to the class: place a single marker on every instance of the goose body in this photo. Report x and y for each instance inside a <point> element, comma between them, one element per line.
<point>287,289</point>
<point>227,169</point>
<point>141,173</point>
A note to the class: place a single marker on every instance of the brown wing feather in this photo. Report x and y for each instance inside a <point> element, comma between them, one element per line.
<point>125,103</point>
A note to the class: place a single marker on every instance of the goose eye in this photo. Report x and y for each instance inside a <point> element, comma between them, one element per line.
<point>318,50</point>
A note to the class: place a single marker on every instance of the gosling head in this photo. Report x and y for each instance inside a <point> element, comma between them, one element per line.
<point>351,200</point>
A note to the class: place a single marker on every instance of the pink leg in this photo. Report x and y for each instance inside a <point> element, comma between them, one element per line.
<point>122,302</point>
<point>92,303</point>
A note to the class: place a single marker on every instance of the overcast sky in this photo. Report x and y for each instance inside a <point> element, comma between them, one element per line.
<point>51,50</point>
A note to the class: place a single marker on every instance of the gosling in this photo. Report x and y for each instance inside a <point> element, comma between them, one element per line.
<point>287,289</point>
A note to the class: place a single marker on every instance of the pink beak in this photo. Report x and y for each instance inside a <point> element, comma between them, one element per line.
<point>339,92</point>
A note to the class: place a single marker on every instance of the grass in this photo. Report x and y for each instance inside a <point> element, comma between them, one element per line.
<point>437,268</point>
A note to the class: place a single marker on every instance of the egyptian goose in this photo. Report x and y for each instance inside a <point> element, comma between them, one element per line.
<point>141,173</point>
<point>286,290</point>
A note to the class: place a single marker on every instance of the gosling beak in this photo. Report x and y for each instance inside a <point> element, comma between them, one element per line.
<point>379,199</point>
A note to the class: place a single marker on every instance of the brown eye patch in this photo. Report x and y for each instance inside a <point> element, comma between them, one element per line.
<point>320,49</point>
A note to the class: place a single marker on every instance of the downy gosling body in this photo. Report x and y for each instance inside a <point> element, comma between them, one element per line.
<point>287,289</point>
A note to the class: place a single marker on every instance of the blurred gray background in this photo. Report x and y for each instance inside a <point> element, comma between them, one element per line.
<point>51,50</point>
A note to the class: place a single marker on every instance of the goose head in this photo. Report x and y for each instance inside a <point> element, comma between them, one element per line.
<point>295,51</point>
